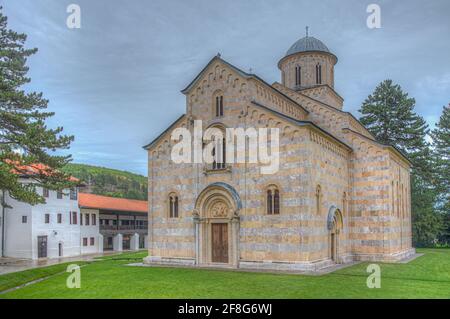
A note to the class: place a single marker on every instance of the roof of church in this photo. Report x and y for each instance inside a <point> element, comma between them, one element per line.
<point>243,74</point>
<point>302,123</point>
<point>307,44</point>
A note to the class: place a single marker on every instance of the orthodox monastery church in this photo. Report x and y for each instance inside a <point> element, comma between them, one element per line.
<point>339,195</point>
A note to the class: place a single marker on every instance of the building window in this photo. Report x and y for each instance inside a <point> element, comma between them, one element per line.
<point>218,105</point>
<point>73,193</point>
<point>24,219</point>
<point>59,194</point>
<point>94,219</point>
<point>402,202</point>
<point>398,200</point>
<point>318,74</point>
<point>220,157</point>
<point>92,241</point>
<point>74,218</point>
<point>85,241</point>
<point>344,204</point>
<point>173,206</point>
<point>318,198</point>
<point>59,218</point>
<point>273,200</point>
<point>47,218</point>
<point>45,192</point>
<point>86,219</point>
<point>81,219</point>
<point>298,75</point>
<point>393,198</point>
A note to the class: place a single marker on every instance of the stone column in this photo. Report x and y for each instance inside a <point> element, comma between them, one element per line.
<point>118,242</point>
<point>197,239</point>
<point>146,241</point>
<point>235,239</point>
<point>134,242</point>
<point>100,243</point>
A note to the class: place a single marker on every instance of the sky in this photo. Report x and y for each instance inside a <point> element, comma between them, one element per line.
<point>115,82</point>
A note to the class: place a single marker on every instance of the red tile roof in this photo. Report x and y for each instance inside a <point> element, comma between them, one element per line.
<point>111,203</point>
<point>34,169</point>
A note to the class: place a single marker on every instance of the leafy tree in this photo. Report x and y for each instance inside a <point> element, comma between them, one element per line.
<point>441,152</point>
<point>25,139</point>
<point>109,182</point>
<point>388,113</point>
<point>427,224</point>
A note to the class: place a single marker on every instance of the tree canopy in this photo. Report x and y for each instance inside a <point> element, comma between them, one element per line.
<point>388,113</point>
<point>25,138</point>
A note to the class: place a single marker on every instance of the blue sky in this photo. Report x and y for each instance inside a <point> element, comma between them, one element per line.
<point>115,83</point>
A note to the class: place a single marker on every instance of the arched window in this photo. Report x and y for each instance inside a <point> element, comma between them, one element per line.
<point>318,74</point>
<point>218,105</point>
<point>219,147</point>
<point>298,75</point>
<point>219,161</point>
<point>393,199</point>
<point>273,200</point>
<point>173,205</point>
<point>398,200</point>
<point>402,202</point>
<point>318,198</point>
<point>344,204</point>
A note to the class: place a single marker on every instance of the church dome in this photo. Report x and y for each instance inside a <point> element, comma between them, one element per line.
<point>307,44</point>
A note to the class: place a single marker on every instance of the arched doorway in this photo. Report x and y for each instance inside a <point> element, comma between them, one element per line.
<point>216,218</point>
<point>334,225</point>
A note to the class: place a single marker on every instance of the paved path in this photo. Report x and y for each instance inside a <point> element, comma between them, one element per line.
<point>8,265</point>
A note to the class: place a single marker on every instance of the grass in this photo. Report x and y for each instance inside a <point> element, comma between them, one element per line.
<point>11,280</point>
<point>426,277</point>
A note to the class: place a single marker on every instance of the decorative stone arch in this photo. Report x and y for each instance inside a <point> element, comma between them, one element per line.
<point>318,196</point>
<point>218,203</point>
<point>335,225</point>
<point>172,201</point>
<point>264,189</point>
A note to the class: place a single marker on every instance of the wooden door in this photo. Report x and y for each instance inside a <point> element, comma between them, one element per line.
<point>42,246</point>
<point>219,242</point>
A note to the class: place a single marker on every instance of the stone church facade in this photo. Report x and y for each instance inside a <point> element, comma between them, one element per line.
<point>339,195</point>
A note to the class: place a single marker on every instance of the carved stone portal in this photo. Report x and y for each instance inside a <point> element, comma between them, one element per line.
<point>219,210</point>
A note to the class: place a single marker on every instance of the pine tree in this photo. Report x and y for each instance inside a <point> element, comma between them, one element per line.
<point>441,152</point>
<point>388,113</point>
<point>24,137</point>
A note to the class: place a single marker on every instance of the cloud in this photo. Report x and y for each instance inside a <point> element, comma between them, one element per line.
<point>115,83</point>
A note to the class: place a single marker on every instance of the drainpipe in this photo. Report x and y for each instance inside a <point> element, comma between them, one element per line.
<point>3,222</point>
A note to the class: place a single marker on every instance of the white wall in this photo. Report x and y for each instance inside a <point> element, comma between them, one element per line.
<point>91,231</point>
<point>22,239</point>
<point>17,234</point>
<point>65,233</point>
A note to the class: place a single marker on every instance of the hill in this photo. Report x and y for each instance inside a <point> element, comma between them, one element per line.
<point>109,182</point>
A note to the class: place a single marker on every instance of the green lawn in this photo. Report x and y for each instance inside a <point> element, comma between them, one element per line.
<point>426,277</point>
<point>16,279</point>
